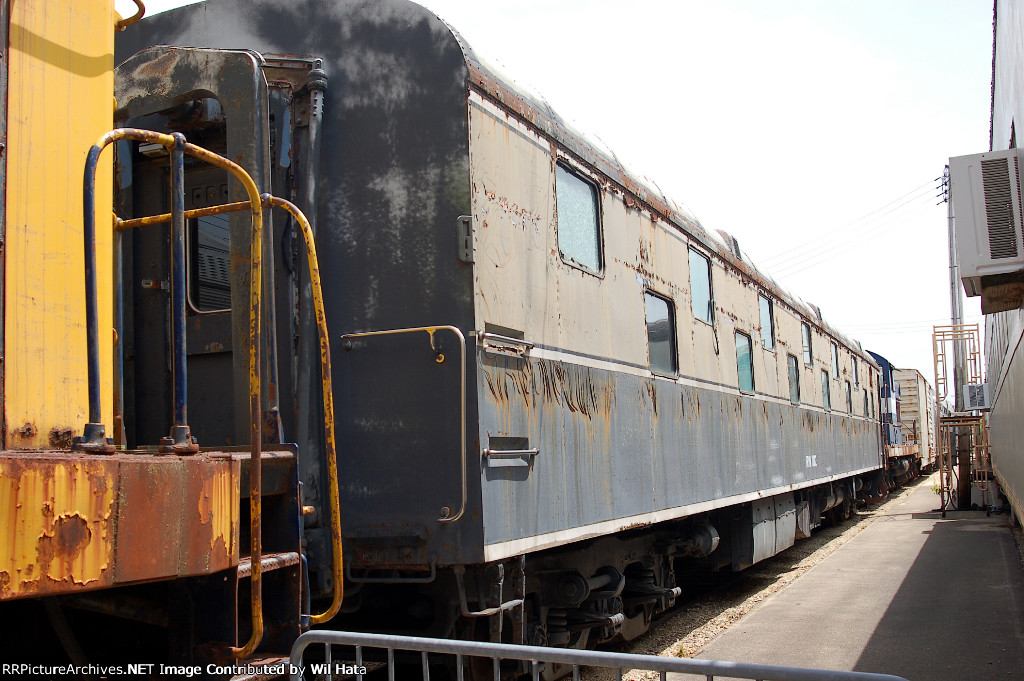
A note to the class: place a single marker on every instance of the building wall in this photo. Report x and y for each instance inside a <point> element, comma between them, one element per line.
<point>1003,351</point>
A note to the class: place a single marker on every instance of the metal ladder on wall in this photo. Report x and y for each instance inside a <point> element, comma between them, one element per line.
<point>180,441</point>
<point>965,339</point>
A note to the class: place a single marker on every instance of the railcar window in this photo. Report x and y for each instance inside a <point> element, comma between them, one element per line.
<point>849,398</point>
<point>579,231</point>
<point>661,334</point>
<point>794,379</point>
<point>856,374</point>
<point>835,361</point>
<point>767,323</point>
<point>808,358</point>
<point>700,287</point>
<point>210,271</point>
<point>826,397</point>
<point>744,363</point>
<point>866,402</point>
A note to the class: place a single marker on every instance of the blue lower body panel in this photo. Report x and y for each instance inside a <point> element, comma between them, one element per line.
<point>618,450</point>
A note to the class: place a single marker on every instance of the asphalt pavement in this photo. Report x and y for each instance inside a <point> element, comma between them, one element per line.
<point>914,595</point>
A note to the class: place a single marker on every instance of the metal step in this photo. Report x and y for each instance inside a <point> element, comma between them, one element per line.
<point>268,562</point>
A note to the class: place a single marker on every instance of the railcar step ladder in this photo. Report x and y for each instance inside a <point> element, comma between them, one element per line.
<point>280,487</point>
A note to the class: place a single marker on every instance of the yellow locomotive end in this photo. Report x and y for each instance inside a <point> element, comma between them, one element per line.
<point>75,521</point>
<point>60,80</point>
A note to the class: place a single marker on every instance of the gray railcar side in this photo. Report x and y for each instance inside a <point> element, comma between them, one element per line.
<point>626,473</point>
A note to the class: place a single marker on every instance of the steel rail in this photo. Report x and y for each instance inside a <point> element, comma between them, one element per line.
<point>133,223</point>
<point>139,13</point>
<point>325,363</point>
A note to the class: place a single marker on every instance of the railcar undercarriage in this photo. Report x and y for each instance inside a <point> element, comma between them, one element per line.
<point>593,592</point>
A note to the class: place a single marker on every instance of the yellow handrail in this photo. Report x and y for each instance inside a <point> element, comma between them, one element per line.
<point>255,302</point>
<point>125,23</point>
<point>325,366</point>
<point>328,396</point>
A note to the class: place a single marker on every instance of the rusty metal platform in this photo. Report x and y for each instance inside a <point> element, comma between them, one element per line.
<point>77,522</point>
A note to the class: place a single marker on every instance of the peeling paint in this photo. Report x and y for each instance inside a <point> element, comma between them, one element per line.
<point>66,515</point>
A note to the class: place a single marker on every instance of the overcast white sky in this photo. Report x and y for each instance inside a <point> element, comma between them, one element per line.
<point>811,130</point>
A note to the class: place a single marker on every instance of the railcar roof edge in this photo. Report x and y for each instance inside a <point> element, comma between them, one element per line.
<point>535,110</point>
<point>531,107</point>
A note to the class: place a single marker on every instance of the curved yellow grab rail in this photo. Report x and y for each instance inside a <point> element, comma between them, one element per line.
<point>328,396</point>
<point>125,23</point>
<point>255,302</point>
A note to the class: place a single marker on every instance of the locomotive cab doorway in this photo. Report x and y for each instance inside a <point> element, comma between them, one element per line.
<point>220,100</point>
<point>210,368</point>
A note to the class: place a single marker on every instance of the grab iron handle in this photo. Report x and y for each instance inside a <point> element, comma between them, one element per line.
<point>504,345</point>
<point>511,452</point>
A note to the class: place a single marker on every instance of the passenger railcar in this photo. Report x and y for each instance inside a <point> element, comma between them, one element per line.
<point>557,393</point>
<point>584,358</point>
<point>903,461</point>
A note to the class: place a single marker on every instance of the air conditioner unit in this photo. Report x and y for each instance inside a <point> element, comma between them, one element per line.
<point>989,223</point>
<point>976,397</point>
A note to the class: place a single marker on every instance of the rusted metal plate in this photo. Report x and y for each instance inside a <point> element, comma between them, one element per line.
<point>57,514</point>
<point>176,516</point>
<point>76,522</point>
<point>149,518</point>
<point>210,512</point>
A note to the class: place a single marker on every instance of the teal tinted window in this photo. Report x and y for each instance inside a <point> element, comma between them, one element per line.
<point>744,363</point>
<point>794,379</point>
<point>826,396</point>
<point>700,287</point>
<point>849,398</point>
<point>806,330</point>
<point>579,233</point>
<point>767,323</point>
<point>835,361</point>
<point>661,334</point>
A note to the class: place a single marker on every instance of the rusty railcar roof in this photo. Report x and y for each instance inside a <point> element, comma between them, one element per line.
<point>532,108</point>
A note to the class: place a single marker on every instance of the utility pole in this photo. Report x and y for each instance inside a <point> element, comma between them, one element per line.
<point>956,306</point>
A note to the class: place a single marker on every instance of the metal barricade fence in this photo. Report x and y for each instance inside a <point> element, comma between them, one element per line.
<point>535,656</point>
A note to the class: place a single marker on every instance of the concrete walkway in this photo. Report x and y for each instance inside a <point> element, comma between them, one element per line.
<point>914,595</point>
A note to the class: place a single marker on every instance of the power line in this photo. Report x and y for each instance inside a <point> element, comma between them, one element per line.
<point>808,249</point>
<point>931,319</point>
<point>916,322</point>
<point>827,250</point>
<point>891,332</point>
